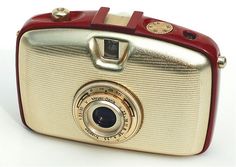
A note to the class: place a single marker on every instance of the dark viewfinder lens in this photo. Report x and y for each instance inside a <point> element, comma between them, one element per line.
<point>111,49</point>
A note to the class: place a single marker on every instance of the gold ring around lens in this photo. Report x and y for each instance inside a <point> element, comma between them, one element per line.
<point>121,101</point>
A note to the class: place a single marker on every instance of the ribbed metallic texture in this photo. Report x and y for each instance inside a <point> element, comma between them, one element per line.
<point>173,84</point>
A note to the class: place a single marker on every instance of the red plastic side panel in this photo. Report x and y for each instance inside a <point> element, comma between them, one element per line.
<point>136,26</point>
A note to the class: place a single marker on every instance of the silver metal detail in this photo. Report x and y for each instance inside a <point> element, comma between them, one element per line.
<point>96,47</point>
<point>60,14</point>
<point>221,61</point>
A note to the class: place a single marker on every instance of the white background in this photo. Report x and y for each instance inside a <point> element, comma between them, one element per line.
<point>21,147</point>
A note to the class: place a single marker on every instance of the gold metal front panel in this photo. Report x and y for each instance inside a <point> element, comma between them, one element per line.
<point>173,84</point>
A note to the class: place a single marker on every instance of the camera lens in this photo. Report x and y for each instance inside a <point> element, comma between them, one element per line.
<point>100,111</point>
<point>104,117</point>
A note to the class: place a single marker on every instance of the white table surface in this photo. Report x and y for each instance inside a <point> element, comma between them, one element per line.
<point>21,147</point>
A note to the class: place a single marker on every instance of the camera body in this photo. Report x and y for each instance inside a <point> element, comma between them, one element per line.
<point>134,82</point>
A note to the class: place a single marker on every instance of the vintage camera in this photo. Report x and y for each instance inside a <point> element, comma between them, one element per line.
<point>134,82</point>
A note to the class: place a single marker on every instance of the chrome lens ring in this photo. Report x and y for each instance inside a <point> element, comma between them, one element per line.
<point>89,122</point>
<point>119,100</point>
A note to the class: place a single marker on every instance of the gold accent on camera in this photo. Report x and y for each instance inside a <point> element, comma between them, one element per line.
<point>117,20</point>
<point>159,27</point>
<point>119,100</point>
<point>172,83</point>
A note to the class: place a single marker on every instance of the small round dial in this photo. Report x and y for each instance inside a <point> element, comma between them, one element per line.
<point>159,27</point>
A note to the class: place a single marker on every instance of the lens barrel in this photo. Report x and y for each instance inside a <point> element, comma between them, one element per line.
<point>107,111</point>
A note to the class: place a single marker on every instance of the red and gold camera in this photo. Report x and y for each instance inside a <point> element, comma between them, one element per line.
<point>134,83</point>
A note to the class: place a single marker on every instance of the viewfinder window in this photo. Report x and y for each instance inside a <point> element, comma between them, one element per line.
<point>111,49</point>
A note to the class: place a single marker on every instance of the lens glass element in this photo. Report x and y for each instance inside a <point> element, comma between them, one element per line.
<point>104,117</point>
